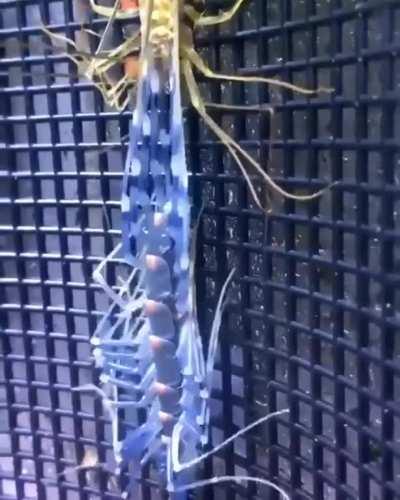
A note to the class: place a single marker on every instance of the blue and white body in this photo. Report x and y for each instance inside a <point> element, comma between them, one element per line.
<point>156,379</point>
<point>148,345</point>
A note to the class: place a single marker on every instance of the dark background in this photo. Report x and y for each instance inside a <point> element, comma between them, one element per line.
<point>314,313</point>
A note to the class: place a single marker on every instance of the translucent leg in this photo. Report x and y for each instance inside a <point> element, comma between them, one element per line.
<point>88,63</point>
<point>200,65</point>
<point>113,412</point>
<point>119,53</point>
<point>110,91</point>
<point>116,297</point>
<point>112,405</point>
<point>213,343</point>
<point>105,399</point>
<point>197,103</point>
<point>234,107</point>
<point>61,38</point>
<point>262,108</point>
<point>90,461</point>
<point>116,93</point>
<point>233,147</point>
<point>112,342</point>
<point>223,17</point>
<point>193,333</point>
<point>154,446</point>
<point>90,388</point>
<point>147,379</point>
<point>81,59</point>
<point>176,438</point>
<point>100,465</point>
<point>113,13</point>
<point>95,67</point>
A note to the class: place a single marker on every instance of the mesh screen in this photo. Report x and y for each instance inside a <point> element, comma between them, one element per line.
<point>313,317</point>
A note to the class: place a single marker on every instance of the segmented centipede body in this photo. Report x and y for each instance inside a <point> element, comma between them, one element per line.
<point>147,345</point>
<point>156,215</point>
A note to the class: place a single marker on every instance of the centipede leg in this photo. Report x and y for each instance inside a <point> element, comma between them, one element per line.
<point>234,107</point>
<point>179,466</point>
<point>233,147</point>
<point>95,67</point>
<point>205,70</point>
<point>223,17</point>
<point>61,38</point>
<point>229,143</point>
<point>216,324</point>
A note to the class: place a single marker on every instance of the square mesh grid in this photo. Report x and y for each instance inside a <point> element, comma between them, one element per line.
<point>314,310</point>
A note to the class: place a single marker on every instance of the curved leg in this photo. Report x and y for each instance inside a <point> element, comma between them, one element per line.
<point>176,439</point>
<point>94,68</point>
<point>197,103</point>
<point>223,17</point>
<point>234,107</point>
<point>233,147</point>
<point>201,66</point>
<point>56,36</point>
<point>118,54</point>
<point>112,405</point>
<point>215,327</point>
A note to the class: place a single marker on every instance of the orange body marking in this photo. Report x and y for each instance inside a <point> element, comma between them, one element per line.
<point>131,63</point>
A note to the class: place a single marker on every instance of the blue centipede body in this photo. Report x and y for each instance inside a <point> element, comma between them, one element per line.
<point>147,345</point>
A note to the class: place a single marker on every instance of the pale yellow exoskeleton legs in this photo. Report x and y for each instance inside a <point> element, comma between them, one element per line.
<point>233,147</point>
<point>262,108</point>
<point>201,20</point>
<point>95,67</point>
<point>83,61</point>
<point>198,104</point>
<point>189,52</point>
<point>190,58</point>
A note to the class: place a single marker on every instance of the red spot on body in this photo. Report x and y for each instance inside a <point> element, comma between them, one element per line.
<point>165,417</point>
<point>161,389</point>
<point>150,307</point>
<point>155,342</point>
<point>129,4</point>
<point>152,262</point>
<point>131,67</point>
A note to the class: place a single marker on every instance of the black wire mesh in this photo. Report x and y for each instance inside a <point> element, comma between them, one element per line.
<point>314,314</point>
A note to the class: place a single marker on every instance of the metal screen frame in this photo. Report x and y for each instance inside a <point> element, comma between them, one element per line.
<point>313,319</point>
